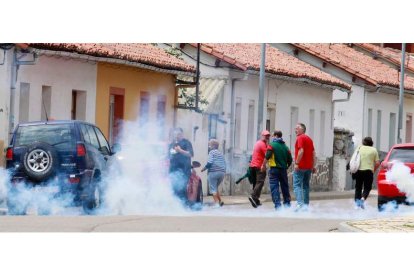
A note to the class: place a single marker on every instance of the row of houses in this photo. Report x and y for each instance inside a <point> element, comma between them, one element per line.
<point>325,86</point>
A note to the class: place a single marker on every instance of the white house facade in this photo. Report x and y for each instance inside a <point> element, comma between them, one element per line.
<point>287,102</point>
<point>372,108</point>
<point>51,84</point>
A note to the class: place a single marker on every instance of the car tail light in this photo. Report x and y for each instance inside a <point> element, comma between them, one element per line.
<point>9,154</point>
<point>74,180</point>
<point>80,150</point>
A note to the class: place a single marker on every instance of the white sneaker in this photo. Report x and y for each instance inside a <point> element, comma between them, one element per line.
<point>298,208</point>
<point>216,205</point>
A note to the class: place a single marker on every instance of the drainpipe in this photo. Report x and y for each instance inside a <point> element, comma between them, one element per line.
<point>261,91</point>
<point>197,78</point>
<point>232,123</point>
<point>14,73</point>
<point>401,95</point>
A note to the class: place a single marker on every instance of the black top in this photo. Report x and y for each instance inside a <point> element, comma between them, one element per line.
<point>179,161</point>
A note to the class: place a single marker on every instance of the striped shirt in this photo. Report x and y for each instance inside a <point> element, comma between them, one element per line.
<point>216,159</point>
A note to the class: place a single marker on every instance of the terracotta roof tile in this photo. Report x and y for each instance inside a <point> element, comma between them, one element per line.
<point>247,56</point>
<point>359,64</point>
<point>393,55</point>
<point>135,52</point>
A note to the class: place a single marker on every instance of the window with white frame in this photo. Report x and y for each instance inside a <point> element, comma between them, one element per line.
<point>237,123</point>
<point>46,102</point>
<point>250,126</point>
<point>370,122</point>
<point>24,102</point>
<point>322,132</point>
<point>393,129</point>
<point>378,140</point>
<point>311,131</point>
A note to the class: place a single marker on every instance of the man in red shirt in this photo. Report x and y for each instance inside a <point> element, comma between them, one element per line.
<point>305,162</point>
<point>258,167</point>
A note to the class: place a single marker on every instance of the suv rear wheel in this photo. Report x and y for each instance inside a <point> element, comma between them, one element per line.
<point>39,161</point>
<point>93,196</point>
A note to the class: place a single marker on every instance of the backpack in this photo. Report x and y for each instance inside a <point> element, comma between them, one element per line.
<point>355,161</point>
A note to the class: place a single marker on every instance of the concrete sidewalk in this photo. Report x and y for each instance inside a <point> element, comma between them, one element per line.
<point>243,199</point>
<point>387,225</point>
<point>384,225</point>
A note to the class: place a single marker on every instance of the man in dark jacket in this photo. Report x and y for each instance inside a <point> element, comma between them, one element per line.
<point>279,158</point>
<point>180,153</point>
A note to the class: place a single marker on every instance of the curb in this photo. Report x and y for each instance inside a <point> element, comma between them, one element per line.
<point>345,227</point>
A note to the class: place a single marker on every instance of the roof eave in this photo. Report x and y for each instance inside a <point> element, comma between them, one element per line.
<point>327,85</point>
<point>91,58</point>
<point>327,60</point>
<point>389,59</point>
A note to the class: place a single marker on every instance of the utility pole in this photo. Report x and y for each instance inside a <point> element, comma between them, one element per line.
<point>401,96</point>
<point>197,78</point>
<point>261,91</point>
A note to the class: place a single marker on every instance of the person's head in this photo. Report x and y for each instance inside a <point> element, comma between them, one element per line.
<point>178,134</point>
<point>213,144</point>
<point>265,135</point>
<point>300,129</point>
<point>367,141</point>
<point>277,134</point>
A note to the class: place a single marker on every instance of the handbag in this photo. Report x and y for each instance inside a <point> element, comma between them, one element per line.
<point>355,161</point>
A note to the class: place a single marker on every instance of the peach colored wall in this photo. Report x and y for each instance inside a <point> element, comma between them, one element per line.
<point>134,81</point>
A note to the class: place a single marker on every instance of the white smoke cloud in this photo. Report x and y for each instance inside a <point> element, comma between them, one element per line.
<point>25,198</point>
<point>401,175</point>
<point>4,178</point>
<point>138,179</point>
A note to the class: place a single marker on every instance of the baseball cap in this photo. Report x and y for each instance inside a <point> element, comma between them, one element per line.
<point>265,133</point>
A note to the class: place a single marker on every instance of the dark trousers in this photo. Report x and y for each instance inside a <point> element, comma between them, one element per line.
<point>279,176</point>
<point>260,179</point>
<point>363,180</point>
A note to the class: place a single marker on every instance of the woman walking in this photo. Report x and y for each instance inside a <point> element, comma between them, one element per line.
<point>216,167</point>
<point>369,163</point>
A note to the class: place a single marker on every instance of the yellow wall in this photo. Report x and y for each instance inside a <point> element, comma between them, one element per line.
<point>133,80</point>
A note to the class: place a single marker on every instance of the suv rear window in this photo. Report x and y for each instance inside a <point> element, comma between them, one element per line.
<point>405,155</point>
<point>60,136</point>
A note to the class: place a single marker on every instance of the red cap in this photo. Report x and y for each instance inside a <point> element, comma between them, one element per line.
<point>265,133</point>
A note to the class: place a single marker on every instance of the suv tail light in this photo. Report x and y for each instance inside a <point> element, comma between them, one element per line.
<point>9,154</point>
<point>80,150</point>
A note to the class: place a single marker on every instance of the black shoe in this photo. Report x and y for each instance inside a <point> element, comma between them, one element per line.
<point>221,203</point>
<point>253,202</point>
<point>258,203</point>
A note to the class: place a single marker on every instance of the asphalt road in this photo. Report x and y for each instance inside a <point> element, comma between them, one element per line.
<point>323,216</point>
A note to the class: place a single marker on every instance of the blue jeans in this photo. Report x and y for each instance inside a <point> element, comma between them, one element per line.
<point>276,176</point>
<point>301,179</point>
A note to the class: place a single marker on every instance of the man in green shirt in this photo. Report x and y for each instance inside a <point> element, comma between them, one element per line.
<point>279,158</point>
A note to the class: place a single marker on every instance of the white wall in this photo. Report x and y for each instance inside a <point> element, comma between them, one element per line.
<point>305,97</point>
<point>353,115</point>
<point>5,80</point>
<point>63,76</point>
<point>386,103</point>
<point>408,108</point>
<point>281,94</point>
<point>350,114</point>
